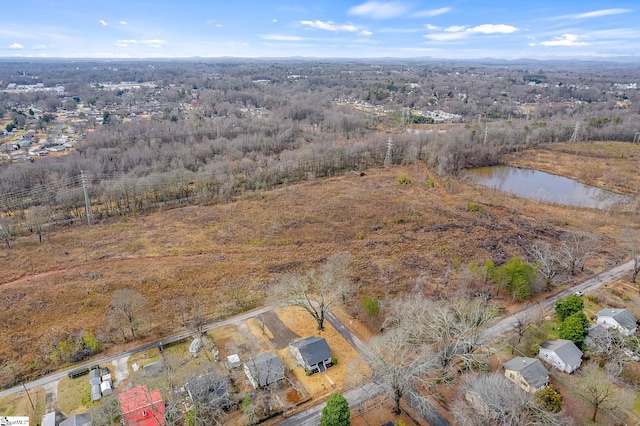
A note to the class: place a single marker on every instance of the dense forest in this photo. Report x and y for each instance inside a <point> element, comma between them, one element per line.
<point>204,130</point>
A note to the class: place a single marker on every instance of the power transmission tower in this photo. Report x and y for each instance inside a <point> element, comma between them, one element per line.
<point>87,201</point>
<point>388,159</point>
<point>576,132</point>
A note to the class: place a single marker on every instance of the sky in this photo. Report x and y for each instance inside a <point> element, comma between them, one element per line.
<point>453,29</point>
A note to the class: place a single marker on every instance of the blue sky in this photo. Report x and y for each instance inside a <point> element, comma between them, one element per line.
<point>337,28</point>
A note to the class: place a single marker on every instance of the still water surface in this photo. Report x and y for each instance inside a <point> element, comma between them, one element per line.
<point>542,186</point>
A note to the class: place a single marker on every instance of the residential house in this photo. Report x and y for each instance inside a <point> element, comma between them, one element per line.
<point>78,420</point>
<point>621,319</point>
<point>562,354</point>
<point>528,373</point>
<point>141,407</point>
<point>210,389</point>
<point>311,353</point>
<point>264,369</point>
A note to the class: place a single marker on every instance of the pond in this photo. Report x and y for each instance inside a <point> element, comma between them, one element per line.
<point>542,186</point>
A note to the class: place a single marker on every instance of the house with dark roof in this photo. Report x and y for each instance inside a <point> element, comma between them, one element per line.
<point>209,389</point>
<point>561,354</point>
<point>311,353</point>
<point>618,318</point>
<point>528,373</point>
<point>141,407</point>
<point>264,369</point>
<point>78,420</point>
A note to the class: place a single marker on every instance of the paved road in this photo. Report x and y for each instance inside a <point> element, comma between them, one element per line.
<point>592,283</point>
<point>355,397</point>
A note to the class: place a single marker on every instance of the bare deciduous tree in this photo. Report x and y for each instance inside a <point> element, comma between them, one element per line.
<point>452,328</point>
<point>597,389</point>
<point>546,261</point>
<point>317,292</point>
<point>6,229</point>
<point>491,399</point>
<point>37,218</point>
<point>129,310</point>
<point>631,241</point>
<point>574,250</point>
<point>400,366</point>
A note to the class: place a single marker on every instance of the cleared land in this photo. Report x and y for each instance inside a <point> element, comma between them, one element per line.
<point>230,256</point>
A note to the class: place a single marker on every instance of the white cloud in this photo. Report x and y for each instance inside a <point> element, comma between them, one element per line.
<point>40,46</point>
<point>432,12</point>
<point>279,37</point>
<point>365,33</point>
<point>564,40</point>
<point>123,22</point>
<point>599,13</point>
<point>103,22</point>
<point>432,27</point>
<point>493,29</point>
<point>330,26</point>
<point>455,28</point>
<point>457,32</point>
<point>16,46</point>
<point>379,10</point>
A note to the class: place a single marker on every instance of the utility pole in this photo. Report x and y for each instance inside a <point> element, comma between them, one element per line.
<point>388,159</point>
<point>29,396</point>
<point>486,134</point>
<point>87,202</point>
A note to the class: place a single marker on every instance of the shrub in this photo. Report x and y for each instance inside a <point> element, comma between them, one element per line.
<point>404,180</point>
<point>471,207</point>
<point>371,305</point>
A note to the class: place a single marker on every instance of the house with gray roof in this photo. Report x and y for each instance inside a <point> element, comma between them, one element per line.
<point>264,369</point>
<point>311,353</point>
<point>78,420</point>
<point>528,373</point>
<point>561,354</point>
<point>618,318</point>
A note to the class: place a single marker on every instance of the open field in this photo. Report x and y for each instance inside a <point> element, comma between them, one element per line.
<point>230,256</point>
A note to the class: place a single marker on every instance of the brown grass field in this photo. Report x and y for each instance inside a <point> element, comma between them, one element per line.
<point>230,256</point>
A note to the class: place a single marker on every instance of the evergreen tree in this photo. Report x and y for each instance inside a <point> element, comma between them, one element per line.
<point>336,413</point>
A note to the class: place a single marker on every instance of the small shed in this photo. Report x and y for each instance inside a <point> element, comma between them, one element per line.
<point>233,361</point>
<point>49,419</point>
<point>105,388</point>
<point>195,346</point>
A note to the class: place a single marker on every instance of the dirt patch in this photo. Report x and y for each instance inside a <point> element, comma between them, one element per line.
<point>282,335</point>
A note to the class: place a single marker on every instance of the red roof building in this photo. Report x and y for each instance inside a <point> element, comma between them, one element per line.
<point>141,407</point>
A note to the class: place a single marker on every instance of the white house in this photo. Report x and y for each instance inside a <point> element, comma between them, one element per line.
<point>312,353</point>
<point>621,319</point>
<point>561,354</point>
<point>264,369</point>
